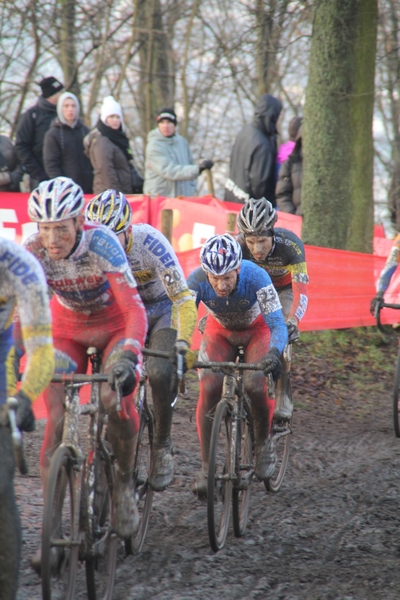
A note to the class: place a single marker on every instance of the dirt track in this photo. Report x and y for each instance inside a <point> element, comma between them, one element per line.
<point>332,532</point>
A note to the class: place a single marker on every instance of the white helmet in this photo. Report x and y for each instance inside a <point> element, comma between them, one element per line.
<point>55,200</point>
<point>221,254</point>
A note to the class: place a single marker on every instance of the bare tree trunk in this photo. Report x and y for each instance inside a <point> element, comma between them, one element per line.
<point>393,87</point>
<point>337,195</point>
<point>269,19</point>
<point>95,86</point>
<point>184,124</point>
<point>157,77</point>
<point>68,47</point>
<point>31,69</point>
<point>132,40</point>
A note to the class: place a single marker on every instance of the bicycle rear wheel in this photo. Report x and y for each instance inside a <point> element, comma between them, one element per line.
<point>244,470</point>
<point>396,394</point>
<point>101,563</point>
<point>282,435</point>
<point>219,489</point>
<point>59,548</point>
<point>141,473</point>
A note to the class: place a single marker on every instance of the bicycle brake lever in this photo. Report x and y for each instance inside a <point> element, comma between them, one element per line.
<point>271,386</point>
<point>119,397</point>
<point>377,311</point>
<point>177,375</point>
<point>179,368</point>
<point>16,435</point>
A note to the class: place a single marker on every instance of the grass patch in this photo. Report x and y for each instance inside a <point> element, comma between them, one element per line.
<point>348,369</point>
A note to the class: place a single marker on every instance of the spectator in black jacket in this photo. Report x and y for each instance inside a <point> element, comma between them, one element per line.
<point>63,151</point>
<point>253,159</point>
<point>10,168</point>
<point>32,128</point>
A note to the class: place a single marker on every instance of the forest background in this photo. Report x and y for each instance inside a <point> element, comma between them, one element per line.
<point>212,59</point>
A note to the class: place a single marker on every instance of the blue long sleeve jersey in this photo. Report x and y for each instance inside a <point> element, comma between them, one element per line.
<point>254,294</point>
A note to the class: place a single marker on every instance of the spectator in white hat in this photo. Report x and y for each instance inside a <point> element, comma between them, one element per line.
<point>107,146</point>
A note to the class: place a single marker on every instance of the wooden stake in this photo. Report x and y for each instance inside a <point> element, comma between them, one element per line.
<point>166,223</point>
<point>231,222</point>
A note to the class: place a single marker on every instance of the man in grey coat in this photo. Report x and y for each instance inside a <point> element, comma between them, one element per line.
<point>169,169</point>
<point>253,160</point>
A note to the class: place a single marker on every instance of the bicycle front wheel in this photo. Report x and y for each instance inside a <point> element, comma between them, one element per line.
<point>141,473</point>
<point>396,395</point>
<point>103,548</point>
<point>282,435</point>
<point>220,475</point>
<point>244,470</point>
<point>60,549</point>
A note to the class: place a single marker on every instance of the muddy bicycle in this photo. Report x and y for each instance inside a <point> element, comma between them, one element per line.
<point>231,462</point>
<point>12,454</point>
<point>77,509</point>
<point>77,504</point>
<point>396,388</point>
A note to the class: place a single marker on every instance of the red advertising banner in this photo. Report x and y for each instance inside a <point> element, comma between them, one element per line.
<point>341,283</point>
<point>16,225</point>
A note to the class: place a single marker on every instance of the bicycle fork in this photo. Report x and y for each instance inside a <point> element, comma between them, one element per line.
<point>228,394</point>
<point>71,440</point>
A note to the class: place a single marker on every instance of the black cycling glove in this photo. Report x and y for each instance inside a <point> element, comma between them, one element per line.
<point>377,301</point>
<point>123,373</point>
<point>271,363</point>
<point>24,417</point>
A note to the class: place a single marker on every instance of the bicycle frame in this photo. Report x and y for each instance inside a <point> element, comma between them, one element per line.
<point>70,437</point>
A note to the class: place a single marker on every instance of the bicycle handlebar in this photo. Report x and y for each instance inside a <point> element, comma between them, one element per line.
<point>74,378</point>
<point>230,365</point>
<point>377,312</point>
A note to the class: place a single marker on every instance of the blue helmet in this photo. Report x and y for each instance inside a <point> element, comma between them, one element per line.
<point>221,254</point>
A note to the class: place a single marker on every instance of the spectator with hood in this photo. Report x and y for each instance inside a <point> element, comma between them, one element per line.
<point>63,151</point>
<point>288,188</point>
<point>253,159</point>
<point>107,146</point>
<point>32,128</point>
<point>170,168</point>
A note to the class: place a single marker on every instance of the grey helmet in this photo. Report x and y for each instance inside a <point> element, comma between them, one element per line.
<point>256,217</point>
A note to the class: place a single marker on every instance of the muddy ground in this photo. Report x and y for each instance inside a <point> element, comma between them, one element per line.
<point>332,532</point>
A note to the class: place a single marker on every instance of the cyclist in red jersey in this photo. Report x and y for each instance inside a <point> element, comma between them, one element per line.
<point>95,303</point>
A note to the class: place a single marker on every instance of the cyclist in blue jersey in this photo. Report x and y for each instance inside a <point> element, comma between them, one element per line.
<point>243,310</point>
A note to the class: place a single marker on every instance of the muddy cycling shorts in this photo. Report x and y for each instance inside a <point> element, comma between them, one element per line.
<point>6,362</point>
